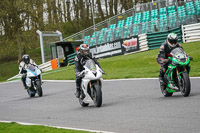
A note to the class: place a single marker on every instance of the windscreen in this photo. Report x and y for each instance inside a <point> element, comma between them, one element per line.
<point>178,53</point>
<point>90,64</point>
<point>31,67</point>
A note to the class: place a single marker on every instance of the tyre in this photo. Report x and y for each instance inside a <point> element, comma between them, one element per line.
<point>39,88</point>
<point>186,87</point>
<point>31,93</point>
<point>164,91</point>
<point>97,96</point>
<point>83,104</point>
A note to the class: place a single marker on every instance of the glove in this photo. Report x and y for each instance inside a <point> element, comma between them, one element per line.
<point>80,74</point>
<point>77,74</point>
<point>191,58</point>
<point>24,76</point>
<point>167,60</point>
<point>102,71</point>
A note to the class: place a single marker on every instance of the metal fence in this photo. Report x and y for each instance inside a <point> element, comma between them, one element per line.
<point>136,29</point>
<point>173,20</point>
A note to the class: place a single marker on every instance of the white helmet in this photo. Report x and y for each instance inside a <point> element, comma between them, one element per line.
<point>172,40</point>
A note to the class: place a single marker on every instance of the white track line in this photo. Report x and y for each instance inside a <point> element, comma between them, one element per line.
<point>79,129</point>
<point>60,81</point>
<point>10,82</point>
<point>107,80</point>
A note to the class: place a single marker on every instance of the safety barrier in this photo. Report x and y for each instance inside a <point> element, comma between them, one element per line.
<point>156,39</point>
<point>191,33</point>
<point>71,59</point>
<point>47,66</point>
<point>143,43</point>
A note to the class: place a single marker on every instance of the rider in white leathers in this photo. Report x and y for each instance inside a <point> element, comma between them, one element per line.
<point>22,68</point>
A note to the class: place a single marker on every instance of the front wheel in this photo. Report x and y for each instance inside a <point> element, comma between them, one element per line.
<point>164,91</point>
<point>39,88</point>
<point>97,96</point>
<point>186,87</point>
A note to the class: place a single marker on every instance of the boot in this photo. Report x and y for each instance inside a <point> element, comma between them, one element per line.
<point>25,86</point>
<point>161,80</point>
<point>77,93</point>
<point>173,86</point>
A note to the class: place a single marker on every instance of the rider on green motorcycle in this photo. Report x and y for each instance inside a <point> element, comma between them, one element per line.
<point>163,60</point>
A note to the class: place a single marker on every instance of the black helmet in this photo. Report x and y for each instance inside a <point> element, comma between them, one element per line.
<point>84,50</point>
<point>172,40</point>
<point>26,59</point>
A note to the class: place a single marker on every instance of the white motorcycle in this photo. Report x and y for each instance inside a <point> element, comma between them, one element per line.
<point>34,80</point>
<point>91,84</point>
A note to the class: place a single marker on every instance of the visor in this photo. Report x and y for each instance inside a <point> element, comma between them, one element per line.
<point>85,52</point>
<point>172,41</point>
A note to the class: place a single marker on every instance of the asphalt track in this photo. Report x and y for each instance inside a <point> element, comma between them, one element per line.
<point>129,106</point>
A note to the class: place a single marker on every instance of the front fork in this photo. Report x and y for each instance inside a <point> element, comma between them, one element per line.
<point>179,77</point>
<point>34,82</point>
<point>170,73</point>
<point>91,87</point>
<point>185,69</point>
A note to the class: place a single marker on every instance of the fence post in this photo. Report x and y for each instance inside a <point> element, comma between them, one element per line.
<point>183,35</point>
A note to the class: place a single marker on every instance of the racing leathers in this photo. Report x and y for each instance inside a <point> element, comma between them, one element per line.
<point>162,58</point>
<point>22,71</point>
<point>79,63</point>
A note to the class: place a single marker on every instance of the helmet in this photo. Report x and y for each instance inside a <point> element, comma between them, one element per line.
<point>172,39</point>
<point>26,59</point>
<point>84,50</point>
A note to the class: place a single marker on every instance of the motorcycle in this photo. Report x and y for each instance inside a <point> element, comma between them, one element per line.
<point>91,84</point>
<point>33,81</point>
<point>180,66</point>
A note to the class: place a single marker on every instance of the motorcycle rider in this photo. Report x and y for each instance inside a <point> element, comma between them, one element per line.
<point>82,55</point>
<point>22,68</point>
<point>162,58</point>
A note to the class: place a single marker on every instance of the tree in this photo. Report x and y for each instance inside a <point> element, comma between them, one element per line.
<point>111,7</point>
<point>116,6</point>
<point>40,18</point>
<point>100,10</point>
<point>124,4</point>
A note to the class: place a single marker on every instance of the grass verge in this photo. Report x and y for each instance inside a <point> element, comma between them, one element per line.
<point>11,68</point>
<point>140,65</point>
<point>17,128</point>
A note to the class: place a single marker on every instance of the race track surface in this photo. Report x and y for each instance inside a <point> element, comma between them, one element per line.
<point>130,106</point>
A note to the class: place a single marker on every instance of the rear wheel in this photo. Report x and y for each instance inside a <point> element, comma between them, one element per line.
<point>164,91</point>
<point>186,87</point>
<point>39,88</point>
<point>97,96</point>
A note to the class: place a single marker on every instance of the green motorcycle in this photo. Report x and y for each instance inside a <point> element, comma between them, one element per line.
<point>178,73</point>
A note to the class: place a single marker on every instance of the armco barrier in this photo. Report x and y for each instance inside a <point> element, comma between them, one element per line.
<point>191,33</point>
<point>143,43</point>
<point>157,38</point>
<point>71,59</point>
<point>47,66</point>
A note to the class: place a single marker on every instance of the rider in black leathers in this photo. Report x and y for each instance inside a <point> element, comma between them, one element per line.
<point>162,58</point>
<point>81,57</point>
